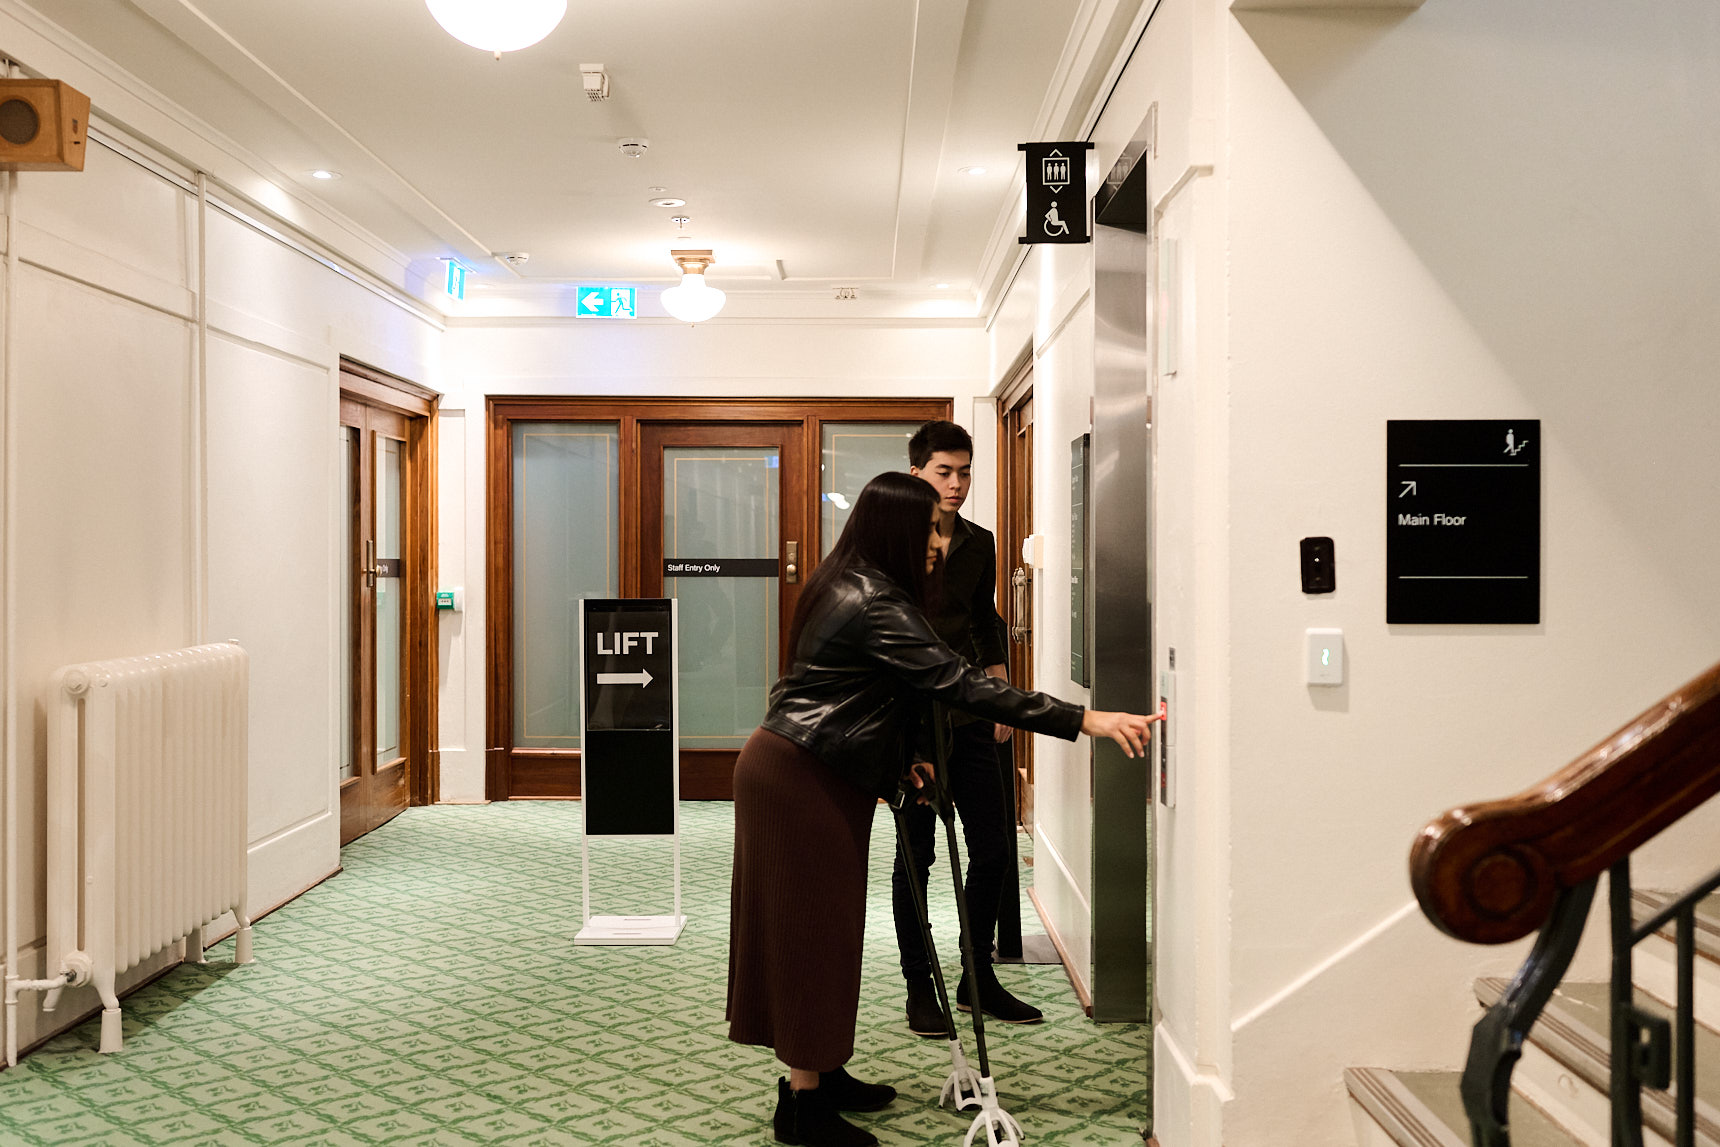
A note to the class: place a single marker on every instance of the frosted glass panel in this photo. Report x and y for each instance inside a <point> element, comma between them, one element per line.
<point>854,454</point>
<point>388,600</point>
<point>723,502</point>
<point>566,546</point>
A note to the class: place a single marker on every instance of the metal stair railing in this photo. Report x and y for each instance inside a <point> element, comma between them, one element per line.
<point>1493,872</point>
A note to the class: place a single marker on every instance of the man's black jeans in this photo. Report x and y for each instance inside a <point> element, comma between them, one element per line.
<point>988,827</point>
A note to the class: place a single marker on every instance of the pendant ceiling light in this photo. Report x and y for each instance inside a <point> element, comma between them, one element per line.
<point>498,25</point>
<point>693,301</point>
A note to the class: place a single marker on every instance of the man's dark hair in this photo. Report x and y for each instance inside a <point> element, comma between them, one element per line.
<point>887,530</point>
<point>935,437</point>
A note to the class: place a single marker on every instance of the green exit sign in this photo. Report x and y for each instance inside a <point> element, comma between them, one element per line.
<point>606,302</point>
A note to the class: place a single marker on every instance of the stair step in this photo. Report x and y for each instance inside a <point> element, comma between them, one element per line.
<point>1645,903</point>
<point>1424,1109</point>
<point>1573,1080</point>
<point>1655,966</point>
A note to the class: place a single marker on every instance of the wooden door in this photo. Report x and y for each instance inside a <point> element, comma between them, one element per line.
<point>729,500</point>
<point>386,678</point>
<point>579,506</point>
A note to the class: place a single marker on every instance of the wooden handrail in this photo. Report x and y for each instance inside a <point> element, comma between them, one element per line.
<point>1488,873</point>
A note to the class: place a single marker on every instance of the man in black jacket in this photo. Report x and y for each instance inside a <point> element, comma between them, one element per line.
<point>966,618</point>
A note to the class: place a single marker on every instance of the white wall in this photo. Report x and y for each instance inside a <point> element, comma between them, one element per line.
<point>1422,227</point>
<point>102,394</point>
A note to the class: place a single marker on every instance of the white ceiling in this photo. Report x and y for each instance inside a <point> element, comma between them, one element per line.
<point>817,143</point>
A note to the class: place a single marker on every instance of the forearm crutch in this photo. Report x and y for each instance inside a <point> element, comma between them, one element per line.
<point>1001,1129</point>
<point>962,1087</point>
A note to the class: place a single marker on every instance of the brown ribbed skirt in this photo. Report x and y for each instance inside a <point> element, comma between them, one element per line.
<point>798,908</point>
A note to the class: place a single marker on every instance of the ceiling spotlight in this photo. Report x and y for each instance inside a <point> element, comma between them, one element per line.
<point>693,301</point>
<point>515,259</point>
<point>668,202</point>
<point>972,170</point>
<point>633,148</point>
<point>498,25</point>
<point>324,174</point>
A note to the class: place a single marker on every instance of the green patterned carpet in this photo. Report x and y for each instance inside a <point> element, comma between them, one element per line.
<point>431,994</point>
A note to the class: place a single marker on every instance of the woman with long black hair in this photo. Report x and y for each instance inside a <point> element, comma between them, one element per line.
<point>839,734</point>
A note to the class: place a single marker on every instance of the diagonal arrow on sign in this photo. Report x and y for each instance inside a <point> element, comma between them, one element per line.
<point>639,678</point>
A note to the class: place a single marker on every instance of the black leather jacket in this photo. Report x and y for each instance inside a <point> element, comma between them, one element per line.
<point>866,662</point>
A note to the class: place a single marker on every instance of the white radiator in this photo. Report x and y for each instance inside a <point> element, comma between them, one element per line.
<point>146,813</point>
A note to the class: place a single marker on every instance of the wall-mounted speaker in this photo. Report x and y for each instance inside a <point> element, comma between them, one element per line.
<point>44,125</point>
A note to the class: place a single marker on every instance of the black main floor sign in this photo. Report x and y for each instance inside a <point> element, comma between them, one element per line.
<point>1056,192</point>
<point>1463,522</point>
<point>628,756</point>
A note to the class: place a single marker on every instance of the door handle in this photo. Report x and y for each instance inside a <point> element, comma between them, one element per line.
<point>1021,623</point>
<point>791,572</point>
<point>369,562</point>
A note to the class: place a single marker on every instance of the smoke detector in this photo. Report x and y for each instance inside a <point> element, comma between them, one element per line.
<point>846,293</point>
<point>596,82</point>
<point>515,259</point>
<point>633,148</point>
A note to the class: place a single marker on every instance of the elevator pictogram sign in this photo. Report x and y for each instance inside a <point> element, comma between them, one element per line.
<point>1057,192</point>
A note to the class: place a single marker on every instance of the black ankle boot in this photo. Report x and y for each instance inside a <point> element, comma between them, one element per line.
<point>925,1017</point>
<point>809,1118</point>
<point>996,1000</point>
<point>849,1094</point>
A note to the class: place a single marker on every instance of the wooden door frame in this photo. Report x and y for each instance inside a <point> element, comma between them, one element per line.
<point>502,411</point>
<point>370,386</point>
<point>1014,522</point>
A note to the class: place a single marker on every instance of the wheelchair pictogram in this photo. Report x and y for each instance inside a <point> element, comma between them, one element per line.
<point>1054,224</point>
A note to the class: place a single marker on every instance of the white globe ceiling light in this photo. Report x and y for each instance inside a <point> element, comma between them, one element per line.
<point>693,301</point>
<point>498,25</point>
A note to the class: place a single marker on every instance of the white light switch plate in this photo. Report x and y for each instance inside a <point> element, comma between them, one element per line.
<point>1325,657</point>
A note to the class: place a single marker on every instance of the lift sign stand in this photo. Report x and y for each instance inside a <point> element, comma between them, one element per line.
<point>629,723</point>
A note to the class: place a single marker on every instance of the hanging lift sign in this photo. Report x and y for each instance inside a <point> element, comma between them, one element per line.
<point>1057,192</point>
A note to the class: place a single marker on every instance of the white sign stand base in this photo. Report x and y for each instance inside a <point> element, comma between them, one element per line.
<point>631,930</point>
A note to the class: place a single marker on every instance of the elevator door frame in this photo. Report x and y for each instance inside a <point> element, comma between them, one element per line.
<point>1120,589</point>
<point>512,773</point>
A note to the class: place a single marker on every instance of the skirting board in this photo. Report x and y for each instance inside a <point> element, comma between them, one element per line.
<point>1076,980</point>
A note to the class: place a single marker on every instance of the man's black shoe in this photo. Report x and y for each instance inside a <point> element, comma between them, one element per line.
<point>996,1000</point>
<point>924,1016</point>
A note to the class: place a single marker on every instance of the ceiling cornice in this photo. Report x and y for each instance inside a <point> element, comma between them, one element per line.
<point>134,111</point>
<point>239,65</point>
